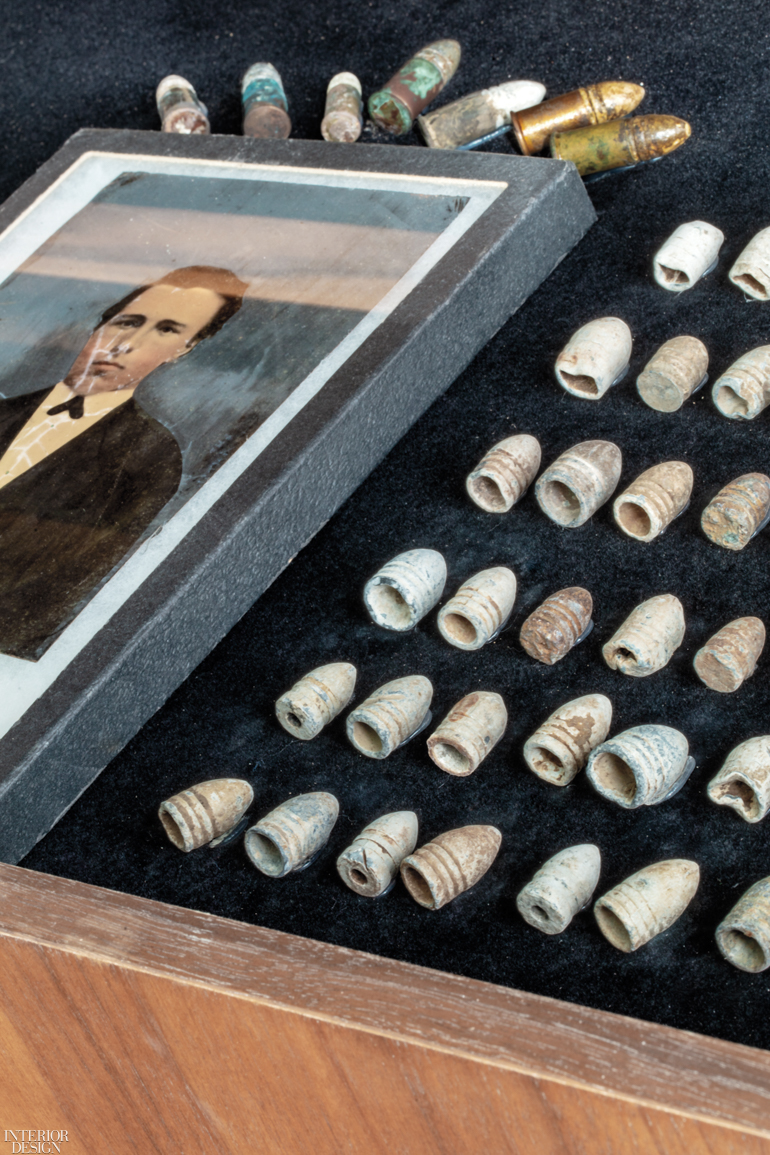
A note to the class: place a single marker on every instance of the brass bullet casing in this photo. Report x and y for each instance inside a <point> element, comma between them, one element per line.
<point>743,783</point>
<point>563,886</point>
<point>580,481</point>
<point>479,609</point>
<point>653,501</point>
<point>414,86</point>
<point>743,390</point>
<point>731,656</point>
<point>673,373</point>
<point>558,624</point>
<point>560,746</point>
<point>690,253</point>
<point>738,512</point>
<point>205,812</point>
<point>316,699</point>
<point>470,731</point>
<point>450,864</point>
<point>743,937</point>
<point>479,116</point>
<point>179,108</point>
<point>288,837</point>
<point>642,766</point>
<point>343,120</point>
<point>751,271</point>
<point>594,358</point>
<point>648,638</point>
<point>390,716</point>
<point>265,108</point>
<point>621,143</point>
<point>504,473</point>
<point>647,903</point>
<point>370,864</point>
<point>405,589</point>
<point>594,104</point>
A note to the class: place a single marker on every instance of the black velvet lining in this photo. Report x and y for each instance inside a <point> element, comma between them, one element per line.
<point>698,60</point>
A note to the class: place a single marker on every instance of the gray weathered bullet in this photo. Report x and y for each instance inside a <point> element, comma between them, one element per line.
<point>743,783</point>
<point>405,589</point>
<point>504,473</point>
<point>561,887</point>
<point>389,716</point>
<point>673,374</point>
<point>743,937</point>
<point>371,862</point>
<point>641,767</point>
<point>594,358</point>
<point>316,699</point>
<point>286,838</point>
<point>479,609</point>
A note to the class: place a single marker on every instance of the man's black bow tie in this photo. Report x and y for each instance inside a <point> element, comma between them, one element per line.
<point>74,407</point>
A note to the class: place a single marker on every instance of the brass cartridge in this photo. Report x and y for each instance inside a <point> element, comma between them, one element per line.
<point>620,143</point>
<point>595,104</point>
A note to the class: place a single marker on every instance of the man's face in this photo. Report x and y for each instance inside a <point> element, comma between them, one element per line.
<point>156,327</point>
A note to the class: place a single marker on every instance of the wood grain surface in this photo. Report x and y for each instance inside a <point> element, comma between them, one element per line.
<point>141,1027</point>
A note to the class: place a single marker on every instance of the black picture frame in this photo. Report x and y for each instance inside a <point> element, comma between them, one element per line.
<point>125,671</point>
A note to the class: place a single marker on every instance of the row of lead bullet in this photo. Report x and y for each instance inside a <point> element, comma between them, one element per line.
<point>629,915</point>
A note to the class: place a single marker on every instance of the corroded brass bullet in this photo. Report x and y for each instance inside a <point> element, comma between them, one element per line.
<point>471,729</point>
<point>579,482</point>
<point>743,937</point>
<point>479,116</point>
<point>449,864</point>
<point>647,903</point>
<point>550,631</point>
<point>560,746</point>
<point>730,657</point>
<point>743,783</point>
<point>743,390</point>
<point>179,108</point>
<point>504,474</point>
<point>342,115</point>
<point>648,638</point>
<point>205,812</point>
<point>414,86</point>
<point>751,272</point>
<point>620,143</point>
<point>594,104</point>
<point>265,108</point>
<point>673,374</point>
<point>653,501</point>
<point>738,511</point>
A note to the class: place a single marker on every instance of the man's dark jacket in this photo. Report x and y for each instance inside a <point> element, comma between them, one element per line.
<point>70,519</point>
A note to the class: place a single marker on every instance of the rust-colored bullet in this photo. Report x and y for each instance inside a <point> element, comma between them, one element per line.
<point>595,104</point>
<point>620,143</point>
<point>550,631</point>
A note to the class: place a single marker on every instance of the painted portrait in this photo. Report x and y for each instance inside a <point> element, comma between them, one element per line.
<point>149,337</point>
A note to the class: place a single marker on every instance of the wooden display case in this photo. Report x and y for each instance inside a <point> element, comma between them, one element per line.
<point>137,1026</point>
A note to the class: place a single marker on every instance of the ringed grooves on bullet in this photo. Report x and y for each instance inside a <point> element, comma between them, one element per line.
<point>479,609</point>
<point>642,766</point>
<point>288,837</point>
<point>677,370</point>
<point>405,589</point>
<point>594,104</point>
<point>648,638</point>
<point>563,886</point>
<point>647,903</point>
<point>738,512</point>
<point>370,864</point>
<point>731,656</point>
<point>316,699</point>
<point>560,746</point>
<point>390,716</point>
<point>578,482</point>
<point>205,812</point>
<point>563,620</point>
<point>743,936</point>
<point>450,864</point>
<point>652,502</point>
<point>504,473</point>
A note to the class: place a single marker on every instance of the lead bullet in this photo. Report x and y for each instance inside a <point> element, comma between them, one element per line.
<point>414,86</point>
<point>595,104</point>
<point>620,143</point>
<point>479,116</point>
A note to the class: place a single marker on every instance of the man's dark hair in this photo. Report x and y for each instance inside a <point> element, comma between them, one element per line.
<point>220,281</point>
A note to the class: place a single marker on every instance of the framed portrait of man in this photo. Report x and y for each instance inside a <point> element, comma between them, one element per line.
<point>205,345</point>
